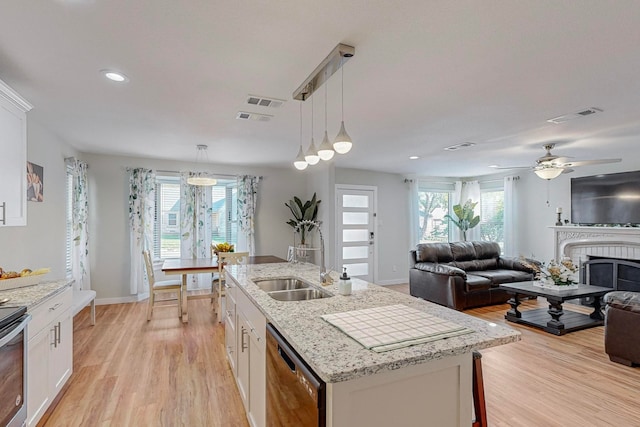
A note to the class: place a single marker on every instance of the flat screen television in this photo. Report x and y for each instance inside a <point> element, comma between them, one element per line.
<point>606,199</point>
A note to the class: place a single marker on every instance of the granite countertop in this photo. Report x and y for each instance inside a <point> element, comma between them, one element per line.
<point>336,357</point>
<point>31,296</point>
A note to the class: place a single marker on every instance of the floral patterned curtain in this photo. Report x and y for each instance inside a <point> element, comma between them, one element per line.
<point>247,203</point>
<point>79,215</point>
<point>142,204</point>
<point>195,226</point>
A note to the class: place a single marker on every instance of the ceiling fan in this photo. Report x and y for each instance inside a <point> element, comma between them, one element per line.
<point>551,166</point>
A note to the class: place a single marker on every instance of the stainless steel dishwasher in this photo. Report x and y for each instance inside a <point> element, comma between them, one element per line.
<point>295,394</point>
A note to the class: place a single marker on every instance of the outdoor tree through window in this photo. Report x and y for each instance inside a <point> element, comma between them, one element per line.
<point>432,207</point>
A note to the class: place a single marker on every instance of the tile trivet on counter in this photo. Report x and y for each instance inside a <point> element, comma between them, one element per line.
<point>394,326</point>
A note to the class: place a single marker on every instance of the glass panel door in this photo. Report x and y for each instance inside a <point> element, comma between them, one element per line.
<point>355,231</point>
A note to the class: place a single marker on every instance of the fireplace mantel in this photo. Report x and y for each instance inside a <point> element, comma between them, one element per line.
<point>578,242</point>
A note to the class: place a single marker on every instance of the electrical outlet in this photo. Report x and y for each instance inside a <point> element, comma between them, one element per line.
<point>395,268</point>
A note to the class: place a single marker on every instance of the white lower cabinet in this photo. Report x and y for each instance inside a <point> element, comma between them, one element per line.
<point>248,340</point>
<point>49,353</point>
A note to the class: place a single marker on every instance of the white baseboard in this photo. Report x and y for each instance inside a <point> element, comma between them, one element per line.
<point>122,300</point>
<point>402,281</point>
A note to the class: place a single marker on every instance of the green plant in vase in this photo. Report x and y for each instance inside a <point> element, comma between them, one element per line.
<point>466,219</point>
<point>303,211</point>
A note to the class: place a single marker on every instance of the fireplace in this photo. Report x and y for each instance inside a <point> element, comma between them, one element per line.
<point>618,274</point>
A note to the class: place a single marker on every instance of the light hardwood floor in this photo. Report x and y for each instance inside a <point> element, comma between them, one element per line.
<point>130,372</point>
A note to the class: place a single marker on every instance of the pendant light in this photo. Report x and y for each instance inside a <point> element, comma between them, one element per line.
<point>300,163</point>
<point>312,153</point>
<point>201,178</point>
<point>342,143</point>
<point>325,150</point>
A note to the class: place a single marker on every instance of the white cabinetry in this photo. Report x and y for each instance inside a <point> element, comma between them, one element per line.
<point>49,353</point>
<point>249,344</point>
<point>13,151</point>
<point>230,324</point>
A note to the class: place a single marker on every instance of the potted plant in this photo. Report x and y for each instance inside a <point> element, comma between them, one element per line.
<point>301,211</point>
<point>466,219</point>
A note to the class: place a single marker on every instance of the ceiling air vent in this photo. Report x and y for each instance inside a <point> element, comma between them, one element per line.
<point>582,113</point>
<point>243,115</point>
<point>459,146</point>
<point>262,101</point>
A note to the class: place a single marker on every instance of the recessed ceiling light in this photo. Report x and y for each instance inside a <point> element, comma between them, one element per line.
<point>413,157</point>
<point>115,76</point>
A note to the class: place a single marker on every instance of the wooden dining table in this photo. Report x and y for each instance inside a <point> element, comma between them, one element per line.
<point>186,266</point>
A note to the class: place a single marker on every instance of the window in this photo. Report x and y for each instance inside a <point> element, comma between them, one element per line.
<point>492,216</point>
<point>166,235</point>
<point>224,217</point>
<point>69,223</point>
<point>224,212</point>
<point>432,207</point>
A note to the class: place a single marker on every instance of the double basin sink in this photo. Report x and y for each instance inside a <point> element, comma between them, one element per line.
<point>290,289</point>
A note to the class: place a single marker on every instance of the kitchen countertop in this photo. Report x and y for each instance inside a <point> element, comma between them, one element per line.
<point>31,296</point>
<point>336,357</point>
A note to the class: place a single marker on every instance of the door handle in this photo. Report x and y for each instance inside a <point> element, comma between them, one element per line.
<point>59,332</point>
<point>4,213</point>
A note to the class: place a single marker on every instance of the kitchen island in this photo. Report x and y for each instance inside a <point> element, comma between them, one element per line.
<point>424,384</point>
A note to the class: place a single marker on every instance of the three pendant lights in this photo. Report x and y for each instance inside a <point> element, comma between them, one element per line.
<point>342,143</point>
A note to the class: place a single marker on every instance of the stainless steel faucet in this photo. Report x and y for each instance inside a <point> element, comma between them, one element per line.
<point>325,277</point>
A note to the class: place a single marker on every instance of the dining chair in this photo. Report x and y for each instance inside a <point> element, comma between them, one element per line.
<point>224,259</point>
<point>164,286</point>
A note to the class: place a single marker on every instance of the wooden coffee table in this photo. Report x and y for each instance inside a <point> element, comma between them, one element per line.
<point>555,320</point>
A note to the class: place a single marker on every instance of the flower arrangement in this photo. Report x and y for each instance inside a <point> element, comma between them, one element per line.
<point>561,273</point>
<point>223,247</point>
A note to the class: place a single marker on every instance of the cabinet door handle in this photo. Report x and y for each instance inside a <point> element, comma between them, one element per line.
<point>55,336</point>
<point>243,346</point>
<point>55,307</point>
<point>4,213</point>
<point>59,332</point>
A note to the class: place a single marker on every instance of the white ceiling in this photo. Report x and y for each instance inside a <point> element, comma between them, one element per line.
<point>426,75</point>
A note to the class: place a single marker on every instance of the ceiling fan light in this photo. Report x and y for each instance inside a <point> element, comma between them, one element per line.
<point>312,154</point>
<point>300,163</point>
<point>325,150</point>
<point>548,172</point>
<point>342,143</point>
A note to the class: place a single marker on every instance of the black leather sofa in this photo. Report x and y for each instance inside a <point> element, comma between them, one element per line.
<point>463,275</point>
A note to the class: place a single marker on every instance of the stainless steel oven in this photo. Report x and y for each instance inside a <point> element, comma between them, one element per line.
<point>13,366</point>
<point>295,394</point>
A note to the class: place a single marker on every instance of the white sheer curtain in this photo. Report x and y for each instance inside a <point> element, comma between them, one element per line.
<point>79,214</point>
<point>454,231</point>
<point>142,204</point>
<point>414,221</point>
<point>511,216</point>
<point>247,205</point>
<point>195,226</point>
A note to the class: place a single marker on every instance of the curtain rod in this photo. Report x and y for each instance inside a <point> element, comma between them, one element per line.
<point>215,174</point>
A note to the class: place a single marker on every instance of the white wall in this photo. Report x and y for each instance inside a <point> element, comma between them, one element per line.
<point>536,238</point>
<point>41,243</point>
<point>392,241</point>
<point>108,215</point>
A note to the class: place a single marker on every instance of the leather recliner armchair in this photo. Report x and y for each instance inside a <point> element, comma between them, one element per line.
<point>622,327</point>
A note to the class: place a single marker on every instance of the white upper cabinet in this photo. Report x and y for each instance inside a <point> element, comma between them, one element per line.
<point>13,157</point>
